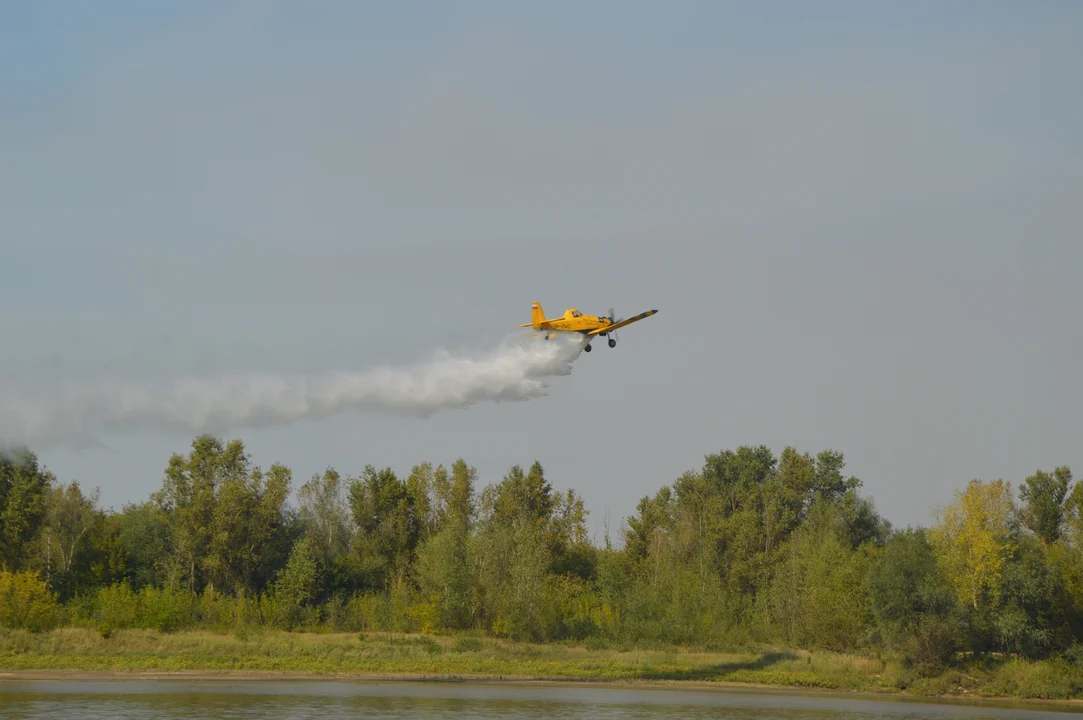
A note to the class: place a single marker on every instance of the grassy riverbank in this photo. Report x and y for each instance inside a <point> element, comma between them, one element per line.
<point>469,657</point>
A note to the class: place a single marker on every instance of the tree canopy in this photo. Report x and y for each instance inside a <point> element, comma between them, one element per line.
<point>750,547</point>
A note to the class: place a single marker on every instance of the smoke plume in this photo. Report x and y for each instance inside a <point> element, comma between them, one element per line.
<point>77,415</point>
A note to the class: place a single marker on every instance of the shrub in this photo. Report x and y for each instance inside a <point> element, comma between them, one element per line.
<point>25,601</point>
<point>116,606</point>
<point>165,610</point>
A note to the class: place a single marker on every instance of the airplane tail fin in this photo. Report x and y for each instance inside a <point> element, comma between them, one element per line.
<point>537,316</point>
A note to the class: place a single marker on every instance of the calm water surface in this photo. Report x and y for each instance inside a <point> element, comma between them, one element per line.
<point>331,700</point>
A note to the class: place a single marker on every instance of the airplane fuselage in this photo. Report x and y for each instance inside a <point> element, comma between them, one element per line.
<point>573,321</point>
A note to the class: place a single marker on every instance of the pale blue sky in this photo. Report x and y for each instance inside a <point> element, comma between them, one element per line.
<point>860,223</point>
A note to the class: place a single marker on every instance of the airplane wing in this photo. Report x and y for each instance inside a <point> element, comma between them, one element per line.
<point>622,323</point>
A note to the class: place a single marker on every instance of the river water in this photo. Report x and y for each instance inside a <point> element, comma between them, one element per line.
<point>331,700</point>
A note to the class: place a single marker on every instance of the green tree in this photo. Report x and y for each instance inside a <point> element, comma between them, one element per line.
<point>325,515</point>
<point>144,542</point>
<point>572,550</point>
<point>225,517</point>
<point>520,498</point>
<point>103,560</point>
<point>455,495</point>
<point>1043,496</point>
<point>514,563</point>
<point>1066,563</point>
<point>912,603</point>
<point>445,574</point>
<point>830,483</point>
<point>446,564</point>
<point>1030,620</point>
<point>519,541</point>
<point>420,487</point>
<point>297,584</point>
<point>70,518</point>
<point>187,498</point>
<point>24,485</point>
<point>721,513</point>
<point>387,527</point>
<point>786,494</point>
<point>817,595</point>
<point>837,595</point>
<point>653,515</point>
<point>248,513</point>
<point>1073,512</point>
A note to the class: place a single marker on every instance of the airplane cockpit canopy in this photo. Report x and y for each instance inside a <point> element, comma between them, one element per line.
<point>576,313</point>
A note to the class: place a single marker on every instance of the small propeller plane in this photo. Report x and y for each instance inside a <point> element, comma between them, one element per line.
<point>577,322</point>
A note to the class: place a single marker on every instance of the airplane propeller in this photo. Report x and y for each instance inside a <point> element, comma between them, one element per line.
<point>613,334</point>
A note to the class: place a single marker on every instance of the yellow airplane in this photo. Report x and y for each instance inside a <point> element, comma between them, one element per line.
<point>575,321</point>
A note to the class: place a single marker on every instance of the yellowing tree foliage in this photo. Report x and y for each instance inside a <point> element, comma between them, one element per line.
<point>25,601</point>
<point>973,539</point>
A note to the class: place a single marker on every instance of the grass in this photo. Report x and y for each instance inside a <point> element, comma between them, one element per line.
<point>473,657</point>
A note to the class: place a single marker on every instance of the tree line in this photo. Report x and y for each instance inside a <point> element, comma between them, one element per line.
<point>751,548</point>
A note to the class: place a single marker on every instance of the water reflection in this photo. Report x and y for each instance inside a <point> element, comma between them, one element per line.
<point>331,700</point>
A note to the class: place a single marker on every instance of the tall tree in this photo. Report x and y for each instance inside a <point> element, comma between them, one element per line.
<point>1043,496</point>
<point>23,488</point>
<point>445,573</point>
<point>974,539</point>
<point>830,483</point>
<point>521,498</point>
<point>325,515</point>
<point>188,497</point>
<point>912,602</point>
<point>144,537</point>
<point>454,494</point>
<point>786,495</point>
<point>69,519</point>
<point>1030,619</point>
<point>387,528</point>
<point>1073,513</point>
<point>725,511</point>
<point>420,487</point>
<point>248,512</point>
<point>297,583</point>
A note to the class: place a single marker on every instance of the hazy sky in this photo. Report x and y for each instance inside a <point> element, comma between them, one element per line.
<point>860,223</point>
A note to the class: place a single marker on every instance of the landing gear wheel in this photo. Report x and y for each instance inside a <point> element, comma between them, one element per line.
<point>612,342</point>
<point>587,348</point>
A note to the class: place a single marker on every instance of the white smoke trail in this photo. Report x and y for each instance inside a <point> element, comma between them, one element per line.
<point>75,415</point>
